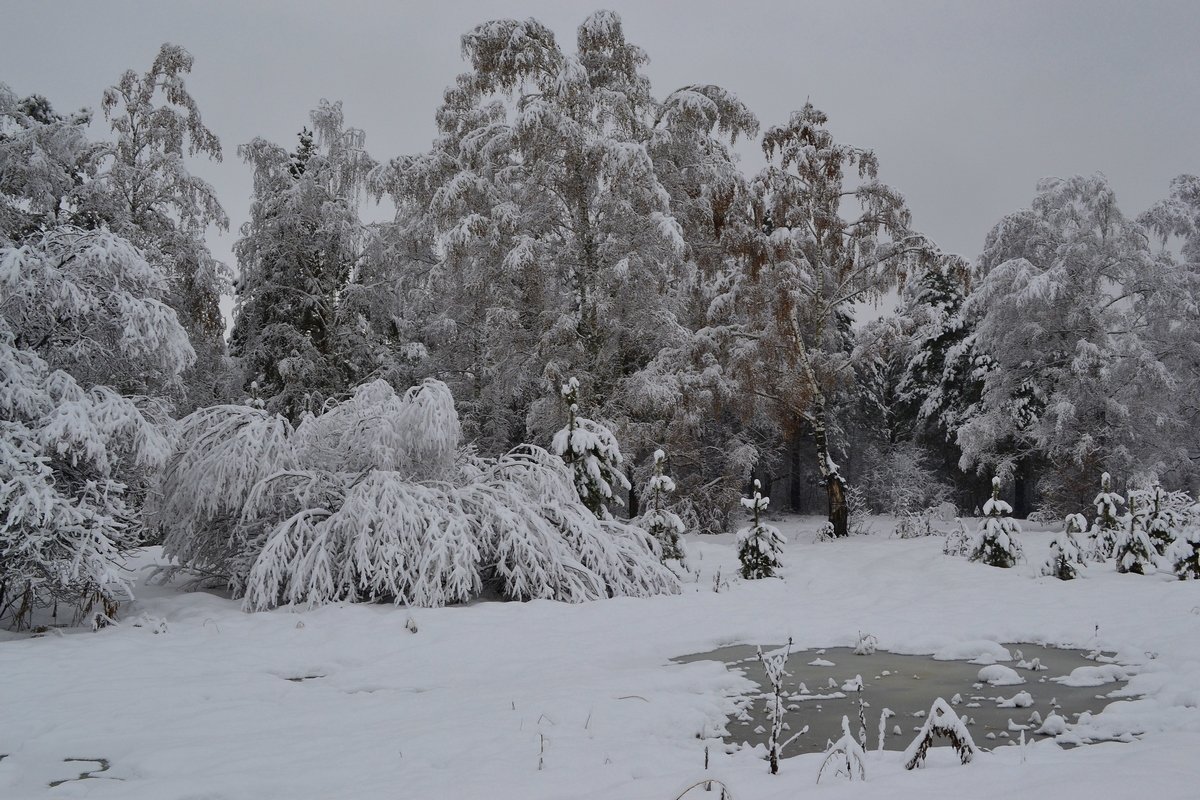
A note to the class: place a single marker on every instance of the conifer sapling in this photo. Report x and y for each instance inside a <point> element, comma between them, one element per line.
<point>759,546</point>
<point>995,542</point>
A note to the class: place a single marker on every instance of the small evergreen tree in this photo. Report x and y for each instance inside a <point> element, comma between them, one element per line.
<point>1106,529</point>
<point>1185,554</point>
<point>1065,554</point>
<point>759,546</point>
<point>1162,514</point>
<point>591,451</point>
<point>660,522</point>
<point>996,542</point>
<point>1135,551</point>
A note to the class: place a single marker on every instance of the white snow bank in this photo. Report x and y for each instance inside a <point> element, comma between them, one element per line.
<point>973,649</point>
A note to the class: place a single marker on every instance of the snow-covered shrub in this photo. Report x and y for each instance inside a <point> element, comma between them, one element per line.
<point>1106,528</point>
<point>76,306</point>
<point>1065,555</point>
<point>1161,514</point>
<point>591,451</point>
<point>899,480</point>
<point>1135,551</point>
<point>1184,554</point>
<point>941,720</point>
<point>846,756</point>
<point>759,546</point>
<point>375,499</point>
<point>860,510</point>
<point>995,543</point>
<point>658,520</point>
<point>958,541</point>
<point>774,667</point>
<point>916,524</point>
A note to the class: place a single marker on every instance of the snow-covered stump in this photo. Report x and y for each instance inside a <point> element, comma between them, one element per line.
<point>846,757</point>
<point>941,720</point>
<point>759,546</point>
<point>1066,557</point>
<point>995,543</point>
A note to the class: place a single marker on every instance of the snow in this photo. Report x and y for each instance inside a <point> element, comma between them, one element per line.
<point>1000,675</point>
<point>1093,676</point>
<point>470,704</point>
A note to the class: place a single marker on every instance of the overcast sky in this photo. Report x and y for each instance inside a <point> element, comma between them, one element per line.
<point>966,104</point>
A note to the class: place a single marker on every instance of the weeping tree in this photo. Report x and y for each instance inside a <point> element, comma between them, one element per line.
<point>376,499</point>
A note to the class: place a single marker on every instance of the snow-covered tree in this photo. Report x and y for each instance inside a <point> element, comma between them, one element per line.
<point>45,157</point>
<point>591,452</point>
<point>1065,555</point>
<point>804,263</point>
<point>145,192</point>
<point>658,519</point>
<point>995,543</point>
<point>1106,527</point>
<point>1184,554</point>
<point>1066,303</point>
<point>759,545</point>
<point>1135,550</point>
<point>84,332</point>
<point>376,499</point>
<point>1161,514</point>
<point>300,253</point>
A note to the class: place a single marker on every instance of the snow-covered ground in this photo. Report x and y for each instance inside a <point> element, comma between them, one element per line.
<point>189,698</point>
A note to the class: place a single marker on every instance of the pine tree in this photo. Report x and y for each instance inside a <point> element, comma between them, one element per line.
<point>591,451</point>
<point>658,520</point>
<point>759,546</point>
<point>995,543</point>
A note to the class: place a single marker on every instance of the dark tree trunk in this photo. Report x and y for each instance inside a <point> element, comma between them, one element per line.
<point>634,505</point>
<point>835,486</point>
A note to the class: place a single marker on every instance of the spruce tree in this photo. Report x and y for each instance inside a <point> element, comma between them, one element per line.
<point>1135,550</point>
<point>659,521</point>
<point>995,543</point>
<point>1065,554</point>
<point>591,451</point>
<point>1106,529</point>
<point>759,546</point>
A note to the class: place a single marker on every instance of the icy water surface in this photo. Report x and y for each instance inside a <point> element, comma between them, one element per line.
<point>819,692</point>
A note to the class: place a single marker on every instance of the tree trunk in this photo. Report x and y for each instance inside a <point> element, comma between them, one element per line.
<point>835,486</point>
<point>634,504</point>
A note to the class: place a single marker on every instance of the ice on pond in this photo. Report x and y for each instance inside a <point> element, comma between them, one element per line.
<point>911,685</point>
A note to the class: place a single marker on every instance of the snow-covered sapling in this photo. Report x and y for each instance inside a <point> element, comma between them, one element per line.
<point>958,541</point>
<point>866,645</point>
<point>996,542</point>
<point>759,546</point>
<point>941,720</point>
<point>1135,551</point>
<point>846,755</point>
<point>1106,529</point>
<point>659,521</point>
<point>774,666</point>
<point>1065,554</point>
<point>1184,554</point>
<point>591,451</point>
<point>884,716</point>
<point>1161,513</point>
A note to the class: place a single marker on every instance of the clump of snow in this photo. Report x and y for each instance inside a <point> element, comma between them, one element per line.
<point>1018,700</point>
<point>1093,676</point>
<point>1000,675</point>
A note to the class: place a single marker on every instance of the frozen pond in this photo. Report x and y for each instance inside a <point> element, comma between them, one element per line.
<point>821,687</point>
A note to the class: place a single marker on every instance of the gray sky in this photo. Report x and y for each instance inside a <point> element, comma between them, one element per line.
<point>967,104</point>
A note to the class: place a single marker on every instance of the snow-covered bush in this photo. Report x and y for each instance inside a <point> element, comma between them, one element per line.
<point>591,451</point>
<point>759,546</point>
<point>74,451</point>
<point>1161,514</point>
<point>658,520</point>
<point>845,756</point>
<point>1106,529</point>
<point>1184,554</point>
<point>958,541</point>
<point>995,542</point>
<point>1065,555</point>
<point>860,510</point>
<point>916,524</point>
<point>899,481</point>
<point>375,499</point>
<point>941,720</point>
